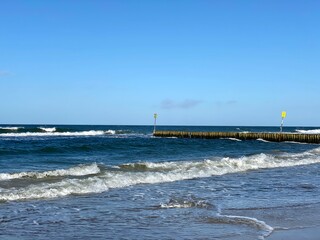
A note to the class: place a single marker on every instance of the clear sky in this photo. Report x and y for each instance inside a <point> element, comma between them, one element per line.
<point>193,62</point>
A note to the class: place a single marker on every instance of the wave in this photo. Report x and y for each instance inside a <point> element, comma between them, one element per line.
<point>295,142</point>
<point>11,128</point>
<point>206,168</point>
<point>53,129</point>
<point>232,139</point>
<point>48,134</point>
<point>262,140</point>
<point>150,173</point>
<point>111,132</point>
<point>313,131</point>
<point>242,220</point>
<point>80,170</point>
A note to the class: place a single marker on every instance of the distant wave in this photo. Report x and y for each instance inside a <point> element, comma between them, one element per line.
<point>53,129</point>
<point>11,128</point>
<point>94,180</point>
<point>111,132</point>
<point>232,139</point>
<point>52,132</point>
<point>262,140</point>
<point>295,142</point>
<point>313,131</point>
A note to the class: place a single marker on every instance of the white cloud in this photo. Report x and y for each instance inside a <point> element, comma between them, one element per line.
<point>186,104</point>
<point>225,103</point>
<point>4,73</point>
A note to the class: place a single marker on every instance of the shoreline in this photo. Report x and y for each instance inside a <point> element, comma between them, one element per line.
<point>307,233</point>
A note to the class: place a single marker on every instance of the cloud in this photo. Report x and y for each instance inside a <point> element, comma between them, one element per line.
<point>231,102</point>
<point>226,103</point>
<point>4,73</point>
<point>186,104</point>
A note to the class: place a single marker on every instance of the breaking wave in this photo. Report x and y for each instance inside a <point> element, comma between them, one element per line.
<point>94,180</point>
<point>80,170</point>
<point>262,140</point>
<point>49,133</point>
<point>111,132</point>
<point>232,139</point>
<point>313,131</point>
<point>11,128</point>
<point>53,129</point>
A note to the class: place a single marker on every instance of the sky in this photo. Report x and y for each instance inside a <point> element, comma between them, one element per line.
<point>199,62</point>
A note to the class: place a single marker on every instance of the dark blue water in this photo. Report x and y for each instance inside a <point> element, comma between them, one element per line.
<point>114,182</point>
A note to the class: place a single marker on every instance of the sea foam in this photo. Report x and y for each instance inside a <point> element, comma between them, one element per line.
<point>80,170</point>
<point>150,173</point>
<point>242,220</point>
<point>53,129</point>
<point>52,133</point>
<point>313,131</point>
<point>11,128</point>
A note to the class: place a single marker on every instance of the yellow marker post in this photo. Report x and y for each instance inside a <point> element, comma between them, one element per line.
<point>283,116</point>
<point>155,122</point>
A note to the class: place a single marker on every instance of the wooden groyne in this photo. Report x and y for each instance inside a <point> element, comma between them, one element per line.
<point>268,136</point>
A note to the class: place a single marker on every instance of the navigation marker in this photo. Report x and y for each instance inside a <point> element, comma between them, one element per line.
<point>283,116</point>
<point>155,122</point>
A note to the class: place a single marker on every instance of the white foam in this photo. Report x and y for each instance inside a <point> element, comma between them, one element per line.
<point>111,132</point>
<point>262,140</point>
<point>53,129</point>
<point>295,142</point>
<point>11,128</point>
<point>233,139</point>
<point>251,221</point>
<point>185,203</point>
<point>243,220</point>
<point>48,134</point>
<point>152,173</point>
<point>80,170</point>
<point>313,131</point>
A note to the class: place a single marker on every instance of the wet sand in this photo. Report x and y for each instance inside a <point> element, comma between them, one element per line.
<point>311,233</point>
<point>289,222</point>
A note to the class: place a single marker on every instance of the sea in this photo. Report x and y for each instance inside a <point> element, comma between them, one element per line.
<point>121,182</point>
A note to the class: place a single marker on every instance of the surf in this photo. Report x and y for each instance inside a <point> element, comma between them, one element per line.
<point>313,131</point>
<point>80,170</point>
<point>86,179</point>
<point>51,132</point>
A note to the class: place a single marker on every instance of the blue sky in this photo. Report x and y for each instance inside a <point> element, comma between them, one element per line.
<point>192,62</point>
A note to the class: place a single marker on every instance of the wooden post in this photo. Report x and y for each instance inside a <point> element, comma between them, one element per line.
<point>155,122</point>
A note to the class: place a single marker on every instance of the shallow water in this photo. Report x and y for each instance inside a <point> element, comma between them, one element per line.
<point>114,182</point>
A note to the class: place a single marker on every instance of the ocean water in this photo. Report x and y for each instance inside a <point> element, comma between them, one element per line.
<point>120,182</point>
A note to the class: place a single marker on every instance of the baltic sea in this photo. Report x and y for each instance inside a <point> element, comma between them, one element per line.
<point>120,182</point>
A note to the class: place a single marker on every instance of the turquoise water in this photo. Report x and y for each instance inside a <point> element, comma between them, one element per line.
<point>120,182</point>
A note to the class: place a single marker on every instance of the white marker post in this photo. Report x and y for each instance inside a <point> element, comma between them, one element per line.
<point>283,116</point>
<point>155,122</point>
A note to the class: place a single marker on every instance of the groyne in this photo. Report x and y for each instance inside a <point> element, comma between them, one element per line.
<point>268,136</point>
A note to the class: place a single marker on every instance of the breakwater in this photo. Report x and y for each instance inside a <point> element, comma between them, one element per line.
<point>268,136</point>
